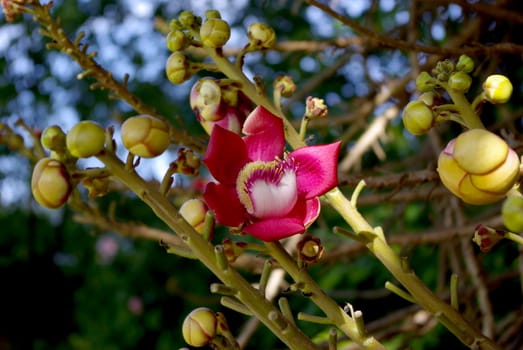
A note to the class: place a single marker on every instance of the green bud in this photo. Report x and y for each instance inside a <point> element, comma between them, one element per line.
<point>215,33</point>
<point>85,139</point>
<point>212,14</point>
<point>465,64</point>
<point>53,138</point>
<point>177,40</point>
<point>145,136</point>
<point>261,36</point>
<point>460,81</point>
<point>418,118</point>
<point>187,19</point>
<point>199,327</point>
<point>178,68</point>
<point>425,82</point>
<point>50,183</point>
<point>512,213</point>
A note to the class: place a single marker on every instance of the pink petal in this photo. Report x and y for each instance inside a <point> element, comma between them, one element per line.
<point>225,204</point>
<point>274,229</point>
<point>317,168</point>
<point>226,155</point>
<point>264,135</point>
<point>312,211</point>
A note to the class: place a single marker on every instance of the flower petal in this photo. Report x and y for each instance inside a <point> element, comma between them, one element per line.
<point>274,229</point>
<point>224,202</point>
<point>317,168</point>
<point>264,135</point>
<point>312,211</point>
<point>226,155</point>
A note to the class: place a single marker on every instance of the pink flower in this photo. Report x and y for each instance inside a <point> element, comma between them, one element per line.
<point>268,194</point>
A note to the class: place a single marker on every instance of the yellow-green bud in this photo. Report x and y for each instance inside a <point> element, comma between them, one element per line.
<point>460,81</point>
<point>85,139</point>
<point>145,136</point>
<point>199,327</point>
<point>418,118</point>
<point>261,36</point>
<point>512,213</point>
<point>50,183</point>
<point>178,68</point>
<point>212,14</point>
<point>425,82</point>
<point>177,40</point>
<point>497,89</point>
<point>187,19</point>
<point>193,211</point>
<point>215,32</point>
<point>310,249</point>
<point>53,138</point>
<point>465,64</point>
<point>285,85</point>
<point>479,167</point>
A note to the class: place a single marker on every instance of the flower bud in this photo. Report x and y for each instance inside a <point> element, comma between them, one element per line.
<point>285,85</point>
<point>425,82</point>
<point>315,108</point>
<point>193,211</point>
<point>487,237</point>
<point>145,136</point>
<point>53,138</point>
<point>460,81</point>
<point>188,20</point>
<point>215,32</point>
<point>50,183</point>
<point>497,89</point>
<point>199,327</point>
<point>187,162</point>
<point>479,167</point>
<point>177,40</point>
<point>418,118</point>
<point>85,139</point>
<point>310,249</point>
<point>465,64</point>
<point>178,68</point>
<point>261,36</point>
<point>512,213</point>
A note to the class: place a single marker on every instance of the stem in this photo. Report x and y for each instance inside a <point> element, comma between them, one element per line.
<point>206,253</point>
<point>445,313</point>
<point>469,116</point>
<point>334,312</point>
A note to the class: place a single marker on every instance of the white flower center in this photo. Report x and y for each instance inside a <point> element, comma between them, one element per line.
<point>268,189</point>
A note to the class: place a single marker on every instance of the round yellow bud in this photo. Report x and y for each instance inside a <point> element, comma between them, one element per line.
<point>512,213</point>
<point>215,32</point>
<point>50,183</point>
<point>497,89</point>
<point>177,40</point>
<point>145,136</point>
<point>261,35</point>
<point>53,138</point>
<point>460,81</point>
<point>193,211</point>
<point>479,151</point>
<point>85,139</point>
<point>199,327</point>
<point>418,118</point>
<point>178,67</point>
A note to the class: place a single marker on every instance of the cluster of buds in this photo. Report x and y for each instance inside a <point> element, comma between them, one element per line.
<point>145,136</point>
<point>13,8</point>
<point>219,102</point>
<point>479,167</point>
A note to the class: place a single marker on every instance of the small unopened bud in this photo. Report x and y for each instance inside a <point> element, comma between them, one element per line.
<point>418,118</point>
<point>193,211</point>
<point>188,20</point>
<point>497,89</point>
<point>50,183</point>
<point>215,33</point>
<point>199,327</point>
<point>261,36</point>
<point>460,81</point>
<point>178,68</point>
<point>425,82</point>
<point>53,138</point>
<point>487,237</point>
<point>465,64</point>
<point>285,85</point>
<point>310,249</point>
<point>145,136</point>
<point>187,162</point>
<point>512,213</point>
<point>85,139</point>
<point>177,40</point>
<point>315,108</point>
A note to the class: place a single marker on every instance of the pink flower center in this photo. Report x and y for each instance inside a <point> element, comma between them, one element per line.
<point>268,189</point>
